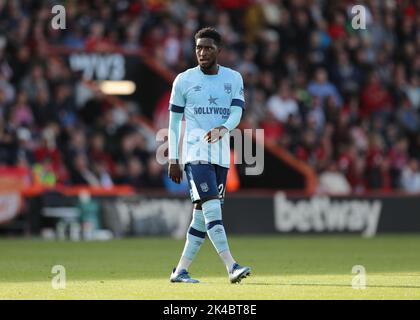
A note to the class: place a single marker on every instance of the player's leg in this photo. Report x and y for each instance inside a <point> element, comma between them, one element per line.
<point>194,240</point>
<point>203,181</point>
<point>235,271</point>
<point>213,217</point>
<point>223,248</point>
<point>209,183</point>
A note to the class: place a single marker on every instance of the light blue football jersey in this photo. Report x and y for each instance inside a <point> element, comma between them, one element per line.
<point>206,101</point>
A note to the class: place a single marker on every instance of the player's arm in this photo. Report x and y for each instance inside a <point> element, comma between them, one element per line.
<point>231,123</point>
<point>176,111</point>
<point>236,110</point>
<point>234,118</point>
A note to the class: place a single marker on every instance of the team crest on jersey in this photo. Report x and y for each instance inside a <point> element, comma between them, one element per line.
<point>228,88</point>
<point>204,187</point>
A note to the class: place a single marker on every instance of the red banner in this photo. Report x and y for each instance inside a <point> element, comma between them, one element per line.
<point>14,179</point>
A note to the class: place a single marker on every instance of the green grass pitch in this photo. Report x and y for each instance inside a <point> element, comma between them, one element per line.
<point>284,267</point>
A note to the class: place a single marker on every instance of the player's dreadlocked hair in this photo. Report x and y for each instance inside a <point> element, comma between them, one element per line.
<point>211,33</point>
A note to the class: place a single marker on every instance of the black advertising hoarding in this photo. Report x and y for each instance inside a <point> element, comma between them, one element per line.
<point>367,215</point>
<point>161,214</point>
<point>272,214</point>
<point>147,215</point>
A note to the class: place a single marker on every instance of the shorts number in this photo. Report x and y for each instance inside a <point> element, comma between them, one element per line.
<point>222,190</point>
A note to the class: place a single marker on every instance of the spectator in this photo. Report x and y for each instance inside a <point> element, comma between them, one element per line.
<point>321,87</point>
<point>20,112</point>
<point>81,174</point>
<point>35,82</point>
<point>398,156</point>
<point>338,119</point>
<point>408,116</point>
<point>43,109</point>
<point>375,99</point>
<point>315,116</point>
<point>273,130</point>
<point>410,178</point>
<point>346,75</point>
<point>49,156</point>
<point>333,182</point>
<point>413,92</point>
<point>377,164</point>
<point>172,46</point>
<point>356,175</point>
<point>24,152</point>
<point>154,178</point>
<point>135,174</point>
<point>100,169</point>
<point>282,104</point>
<point>98,154</point>
<point>309,151</point>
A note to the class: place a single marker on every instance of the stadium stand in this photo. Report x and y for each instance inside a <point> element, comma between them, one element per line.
<point>344,101</point>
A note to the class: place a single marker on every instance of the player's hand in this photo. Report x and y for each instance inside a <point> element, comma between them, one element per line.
<point>174,171</point>
<point>215,134</point>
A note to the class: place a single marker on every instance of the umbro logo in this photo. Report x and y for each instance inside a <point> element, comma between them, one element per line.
<point>197,88</point>
<point>218,231</point>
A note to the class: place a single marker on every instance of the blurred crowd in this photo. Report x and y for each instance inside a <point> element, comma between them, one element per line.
<point>346,101</point>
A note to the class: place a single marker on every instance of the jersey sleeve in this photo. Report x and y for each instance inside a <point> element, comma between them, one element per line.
<point>177,100</point>
<point>238,98</point>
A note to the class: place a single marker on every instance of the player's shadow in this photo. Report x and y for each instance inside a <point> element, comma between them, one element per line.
<point>327,285</point>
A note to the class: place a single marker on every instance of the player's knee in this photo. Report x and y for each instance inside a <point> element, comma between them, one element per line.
<point>212,212</point>
<point>196,236</point>
<point>197,206</point>
<point>198,221</point>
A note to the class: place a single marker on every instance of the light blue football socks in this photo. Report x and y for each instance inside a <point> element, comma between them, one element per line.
<point>212,212</point>
<point>209,220</point>
<point>195,238</point>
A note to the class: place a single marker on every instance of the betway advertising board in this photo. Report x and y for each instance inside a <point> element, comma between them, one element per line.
<point>323,214</point>
<point>274,214</point>
<point>367,215</point>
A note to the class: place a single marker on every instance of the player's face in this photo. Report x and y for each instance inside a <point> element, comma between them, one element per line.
<point>207,52</point>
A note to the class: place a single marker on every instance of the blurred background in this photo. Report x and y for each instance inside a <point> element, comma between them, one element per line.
<point>80,108</point>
